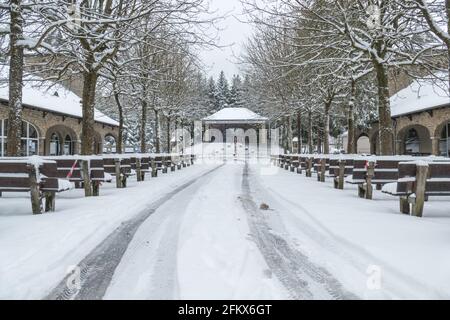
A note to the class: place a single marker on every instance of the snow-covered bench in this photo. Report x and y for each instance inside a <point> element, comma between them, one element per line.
<point>118,166</point>
<point>340,168</point>
<point>321,166</point>
<point>141,164</point>
<point>378,171</point>
<point>417,181</point>
<point>34,175</point>
<point>71,168</point>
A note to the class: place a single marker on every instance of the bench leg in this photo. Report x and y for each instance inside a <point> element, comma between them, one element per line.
<point>178,166</point>
<point>50,198</point>
<point>172,168</point>
<point>379,187</point>
<point>299,170</point>
<point>361,191</point>
<point>124,181</point>
<point>292,169</point>
<point>164,170</point>
<point>143,176</point>
<point>95,188</point>
<point>336,183</point>
<point>404,205</point>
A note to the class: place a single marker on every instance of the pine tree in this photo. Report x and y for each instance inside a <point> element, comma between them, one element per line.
<point>235,99</point>
<point>222,92</point>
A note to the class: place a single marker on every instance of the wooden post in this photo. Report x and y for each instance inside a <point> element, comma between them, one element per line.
<point>50,202</point>
<point>309,167</point>
<point>323,168</point>
<point>138,170</point>
<point>118,173</point>
<point>340,179</point>
<point>370,175</point>
<point>36,204</point>
<point>421,183</point>
<point>154,169</point>
<point>86,178</point>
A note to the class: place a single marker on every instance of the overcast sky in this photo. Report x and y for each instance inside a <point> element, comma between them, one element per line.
<point>233,36</point>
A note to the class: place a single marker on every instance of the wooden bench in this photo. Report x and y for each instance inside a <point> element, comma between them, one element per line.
<point>34,175</point>
<point>417,181</point>
<point>321,166</point>
<point>339,169</point>
<point>367,172</point>
<point>141,165</point>
<point>71,168</point>
<point>119,167</point>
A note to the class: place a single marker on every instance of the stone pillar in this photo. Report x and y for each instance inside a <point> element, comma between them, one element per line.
<point>399,147</point>
<point>42,146</point>
<point>77,147</point>
<point>435,146</point>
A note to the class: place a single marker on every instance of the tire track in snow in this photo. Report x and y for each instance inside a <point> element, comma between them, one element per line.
<point>302,278</point>
<point>97,268</point>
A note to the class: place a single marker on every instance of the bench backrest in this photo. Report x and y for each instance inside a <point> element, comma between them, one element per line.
<point>334,167</point>
<point>110,165</point>
<point>65,171</point>
<point>438,182</point>
<point>14,176</point>
<point>145,163</point>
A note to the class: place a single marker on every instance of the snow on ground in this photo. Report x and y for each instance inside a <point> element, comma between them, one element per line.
<point>197,246</point>
<point>209,240</point>
<point>354,238</point>
<point>38,250</point>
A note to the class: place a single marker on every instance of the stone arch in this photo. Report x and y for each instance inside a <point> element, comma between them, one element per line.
<point>362,143</point>
<point>110,143</point>
<point>414,139</point>
<point>66,142</point>
<point>442,139</point>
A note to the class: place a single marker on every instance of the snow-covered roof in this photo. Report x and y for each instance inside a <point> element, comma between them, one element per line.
<point>236,115</point>
<point>421,95</point>
<point>50,97</point>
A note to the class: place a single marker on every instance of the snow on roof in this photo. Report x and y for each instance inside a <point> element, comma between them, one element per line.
<point>235,115</point>
<point>50,97</point>
<point>421,95</point>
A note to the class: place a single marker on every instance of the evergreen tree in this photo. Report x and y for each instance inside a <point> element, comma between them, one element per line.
<point>222,92</point>
<point>235,98</point>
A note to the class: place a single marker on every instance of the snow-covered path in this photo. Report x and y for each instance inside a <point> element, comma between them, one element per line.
<point>205,240</point>
<point>197,246</point>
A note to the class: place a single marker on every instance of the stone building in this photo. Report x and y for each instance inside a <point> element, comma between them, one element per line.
<point>52,121</point>
<point>421,120</point>
<point>238,127</point>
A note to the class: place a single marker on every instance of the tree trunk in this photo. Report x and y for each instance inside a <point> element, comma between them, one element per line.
<point>88,131</point>
<point>15,80</point>
<point>158,141</point>
<point>119,142</point>
<point>310,132</point>
<point>351,143</point>
<point>289,134</point>
<point>143,130</point>
<point>168,134</point>
<point>384,111</point>
<point>326,135</point>
<point>299,132</point>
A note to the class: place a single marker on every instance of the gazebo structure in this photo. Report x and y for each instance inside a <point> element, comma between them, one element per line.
<point>237,126</point>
